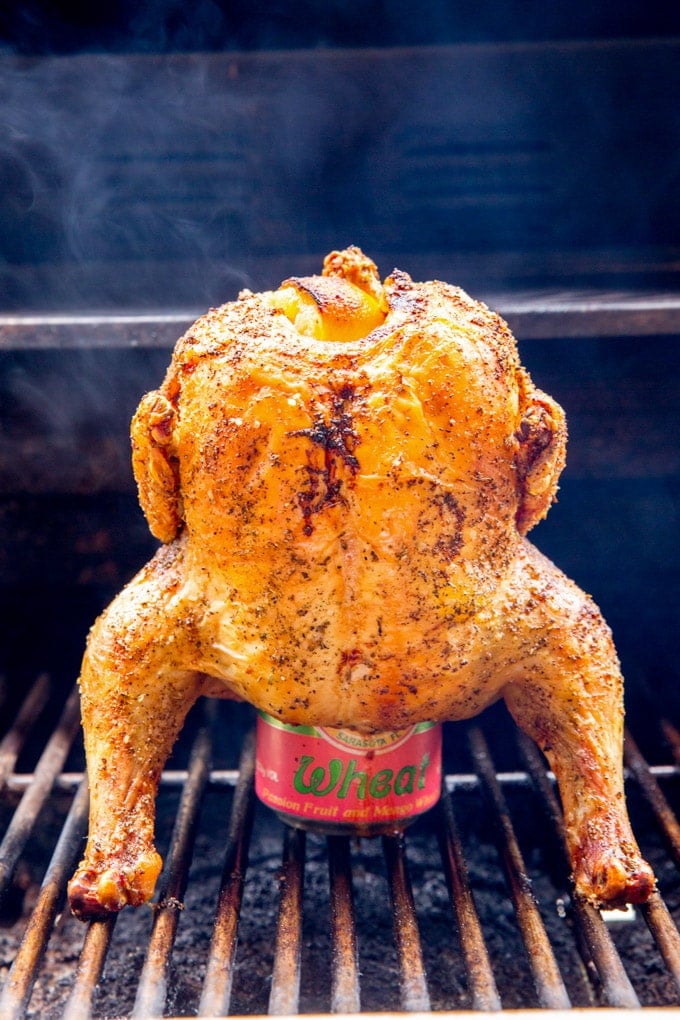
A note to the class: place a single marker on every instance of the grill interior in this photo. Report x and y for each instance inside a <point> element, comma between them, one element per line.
<point>541,175</point>
<point>472,910</point>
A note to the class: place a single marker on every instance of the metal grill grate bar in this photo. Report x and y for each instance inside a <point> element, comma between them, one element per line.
<point>285,989</point>
<point>481,982</point>
<point>35,796</point>
<point>655,912</point>
<point>345,991</point>
<point>216,993</point>
<point>14,739</point>
<point>90,969</point>
<point>152,988</point>
<point>655,798</point>
<point>664,932</point>
<point>547,978</point>
<point>22,976</point>
<point>414,994</point>
<point>672,737</point>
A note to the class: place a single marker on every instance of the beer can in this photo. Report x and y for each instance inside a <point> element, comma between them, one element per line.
<point>336,780</point>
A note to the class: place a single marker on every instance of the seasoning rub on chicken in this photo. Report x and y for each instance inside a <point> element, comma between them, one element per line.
<point>342,473</point>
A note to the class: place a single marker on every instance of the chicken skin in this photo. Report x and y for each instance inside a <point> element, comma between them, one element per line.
<point>342,473</point>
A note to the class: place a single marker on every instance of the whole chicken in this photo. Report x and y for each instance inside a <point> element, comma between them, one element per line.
<point>342,472</point>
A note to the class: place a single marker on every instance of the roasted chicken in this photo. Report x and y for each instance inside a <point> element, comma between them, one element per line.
<point>342,473</point>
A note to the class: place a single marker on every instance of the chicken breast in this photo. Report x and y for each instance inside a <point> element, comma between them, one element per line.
<point>342,473</point>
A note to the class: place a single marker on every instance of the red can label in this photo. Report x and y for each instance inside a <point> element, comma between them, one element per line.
<point>336,779</point>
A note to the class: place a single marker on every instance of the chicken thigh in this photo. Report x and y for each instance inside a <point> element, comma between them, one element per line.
<point>341,473</point>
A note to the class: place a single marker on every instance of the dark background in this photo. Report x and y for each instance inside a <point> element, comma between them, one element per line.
<point>160,27</point>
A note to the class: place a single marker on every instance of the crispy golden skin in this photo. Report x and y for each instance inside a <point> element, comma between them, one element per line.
<point>342,473</point>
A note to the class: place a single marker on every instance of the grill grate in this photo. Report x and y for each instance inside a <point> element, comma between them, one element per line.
<point>609,977</point>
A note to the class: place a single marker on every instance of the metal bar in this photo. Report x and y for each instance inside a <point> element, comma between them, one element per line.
<point>63,331</point>
<point>345,992</point>
<point>19,985</point>
<point>218,980</point>
<point>664,932</point>
<point>672,737</point>
<point>616,986</point>
<point>70,781</point>
<point>47,770</point>
<point>14,739</point>
<point>548,982</point>
<point>481,981</point>
<point>90,969</point>
<point>153,982</point>
<point>655,913</point>
<point>531,315</point>
<point>415,996</point>
<point>574,314</point>
<point>653,795</point>
<point>285,989</point>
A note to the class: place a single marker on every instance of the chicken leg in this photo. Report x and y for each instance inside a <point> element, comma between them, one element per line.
<point>133,701</point>
<point>569,700</point>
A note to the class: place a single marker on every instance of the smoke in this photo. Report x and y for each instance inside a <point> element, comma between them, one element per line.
<point>156,179</point>
<point>129,177</point>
